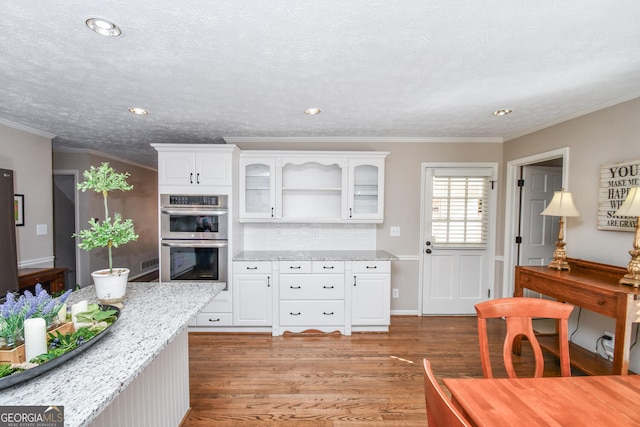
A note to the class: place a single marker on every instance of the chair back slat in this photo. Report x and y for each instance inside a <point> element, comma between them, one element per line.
<point>519,313</point>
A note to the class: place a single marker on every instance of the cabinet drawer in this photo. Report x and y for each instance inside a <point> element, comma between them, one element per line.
<point>371,267</point>
<point>295,267</point>
<point>214,319</point>
<point>311,313</point>
<point>251,267</point>
<point>304,286</point>
<point>322,267</point>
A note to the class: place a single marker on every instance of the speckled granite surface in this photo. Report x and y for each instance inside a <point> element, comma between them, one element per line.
<point>153,315</point>
<point>314,255</point>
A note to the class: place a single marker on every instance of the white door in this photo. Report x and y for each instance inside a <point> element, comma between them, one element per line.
<point>538,232</point>
<point>458,239</point>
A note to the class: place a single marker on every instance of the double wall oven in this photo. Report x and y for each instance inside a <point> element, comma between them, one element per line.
<point>194,238</point>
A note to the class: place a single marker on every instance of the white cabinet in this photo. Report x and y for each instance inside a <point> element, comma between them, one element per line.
<point>370,293</point>
<point>194,165</point>
<point>366,189</point>
<point>257,188</point>
<point>311,296</point>
<point>318,187</point>
<point>252,293</point>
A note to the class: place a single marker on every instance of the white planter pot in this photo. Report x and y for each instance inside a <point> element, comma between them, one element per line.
<point>110,288</point>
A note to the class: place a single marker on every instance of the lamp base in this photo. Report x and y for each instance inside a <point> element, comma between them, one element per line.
<point>559,261</point>
<point>633,276</point>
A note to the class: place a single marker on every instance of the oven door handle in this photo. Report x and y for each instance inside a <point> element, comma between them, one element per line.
<point>193,211</point>
<point>195,243</point>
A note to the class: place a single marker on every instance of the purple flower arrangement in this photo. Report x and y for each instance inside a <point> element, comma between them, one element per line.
<point>29,305</point>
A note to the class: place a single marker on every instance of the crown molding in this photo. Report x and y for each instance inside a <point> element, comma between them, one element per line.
<point>337,139</point>
<point>27,129</point>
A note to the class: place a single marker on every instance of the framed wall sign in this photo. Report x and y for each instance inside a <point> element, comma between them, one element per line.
<point>615,181</point>
<point>18,208</point>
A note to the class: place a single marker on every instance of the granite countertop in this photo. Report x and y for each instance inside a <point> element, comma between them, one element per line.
<point>314,256</point>
<point>153,315</point>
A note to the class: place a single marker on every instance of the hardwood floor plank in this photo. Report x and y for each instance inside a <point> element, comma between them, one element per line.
<point>367,379</point>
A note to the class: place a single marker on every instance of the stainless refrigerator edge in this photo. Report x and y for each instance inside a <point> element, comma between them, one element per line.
<point>8,251</point>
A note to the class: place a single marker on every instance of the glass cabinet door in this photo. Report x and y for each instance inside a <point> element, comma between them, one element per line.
<point>366,198</point>
<point>257,197</point>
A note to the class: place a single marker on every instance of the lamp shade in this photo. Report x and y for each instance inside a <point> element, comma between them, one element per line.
<point>631,205</point>
<point>561,205</point>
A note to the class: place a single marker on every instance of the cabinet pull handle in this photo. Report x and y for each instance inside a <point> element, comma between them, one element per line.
<point>295,314</point>
<point>350,213</point>
<point>252,268</point>
<point>295,287</point>
<point>372,267</point>
<point>271,212</point>
<point>330,267</point>
<point>268,281</point>
<point>198,178</point>
<point>354,280</point>
<point>295,267</point>
<point>214,320</point>
<point>327,314</point>
<point>191,178</point>
<point>328,287</point>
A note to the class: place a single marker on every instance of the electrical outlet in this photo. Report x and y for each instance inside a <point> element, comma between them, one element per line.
<point>396,293</point>
<point>608,344</point>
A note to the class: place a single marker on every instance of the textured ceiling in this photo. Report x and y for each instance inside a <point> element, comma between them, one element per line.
<point>210,71</point>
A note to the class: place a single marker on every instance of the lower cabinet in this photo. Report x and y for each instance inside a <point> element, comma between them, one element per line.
<point>370,293</point>
<point>312,296</point>
<point>252,294</point>
<point>309,295</point>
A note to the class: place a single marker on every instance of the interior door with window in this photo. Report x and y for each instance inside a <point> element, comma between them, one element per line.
<point>457,266</point>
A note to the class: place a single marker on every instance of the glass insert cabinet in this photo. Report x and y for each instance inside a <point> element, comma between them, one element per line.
<point>314,187</point>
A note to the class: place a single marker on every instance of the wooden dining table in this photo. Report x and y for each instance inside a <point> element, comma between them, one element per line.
<point>550,401</point>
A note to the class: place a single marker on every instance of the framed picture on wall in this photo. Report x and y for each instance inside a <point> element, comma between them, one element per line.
<point>18,209</point>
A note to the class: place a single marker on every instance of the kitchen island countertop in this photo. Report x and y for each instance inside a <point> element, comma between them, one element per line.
<point>358,255</point>
<point>153,315</point>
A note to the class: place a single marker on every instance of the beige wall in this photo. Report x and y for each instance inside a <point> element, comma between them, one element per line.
<point>402,199</point>
<point>29,156</point>
<point>606,136</point>
<point>139,204</point>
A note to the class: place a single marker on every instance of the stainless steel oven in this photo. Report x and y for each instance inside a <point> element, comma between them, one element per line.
<point>194,238</point>
<point>193,217</point>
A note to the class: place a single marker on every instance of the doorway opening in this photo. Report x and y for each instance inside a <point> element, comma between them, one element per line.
<point>523,207</point>
<point>65,224</point>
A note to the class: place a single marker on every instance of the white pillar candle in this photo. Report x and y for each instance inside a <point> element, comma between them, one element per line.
<point>78,308</point>
<point>35,337</point>
<point>62,314</point>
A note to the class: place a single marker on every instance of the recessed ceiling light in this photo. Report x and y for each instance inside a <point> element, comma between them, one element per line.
<point>103,27</point>
<point>312,111</point>
<point>138,111</point>
<point>502,112</point>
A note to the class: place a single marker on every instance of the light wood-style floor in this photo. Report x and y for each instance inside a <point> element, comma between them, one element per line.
<point>367,379</point>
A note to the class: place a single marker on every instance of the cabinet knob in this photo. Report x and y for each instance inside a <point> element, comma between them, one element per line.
<point>428,251</point>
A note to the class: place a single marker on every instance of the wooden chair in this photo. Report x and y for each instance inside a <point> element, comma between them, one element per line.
<point>440,410</point>
<point>518,313</point>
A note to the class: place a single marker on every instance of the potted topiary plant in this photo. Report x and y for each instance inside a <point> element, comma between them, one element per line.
<point>111,284</point>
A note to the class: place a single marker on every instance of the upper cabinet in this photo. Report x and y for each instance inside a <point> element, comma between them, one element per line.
<point>257,187</point>
<point>195,165</point>
<point>299,186</point>
<point>366,189</point>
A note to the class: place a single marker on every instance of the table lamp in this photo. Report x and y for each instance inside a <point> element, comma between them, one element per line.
<point>561,205</point>
<point>631,207</point>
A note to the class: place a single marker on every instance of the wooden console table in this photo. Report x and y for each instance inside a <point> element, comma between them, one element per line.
<point>51,279</point>
<point>594,287</point>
